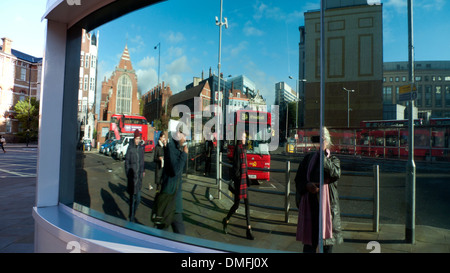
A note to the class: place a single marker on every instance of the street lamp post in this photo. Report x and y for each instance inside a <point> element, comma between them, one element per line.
<point>348,105</point>
<point>219,23</point>
<point>159,58</point>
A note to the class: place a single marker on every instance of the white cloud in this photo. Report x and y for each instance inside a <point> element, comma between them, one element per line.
<point>175,52</point>
<point>235,51</point>
<point>430,4</point>
<point>263,11</point>
<point>249,30</point>
<point>148,62</point>
<point>175,37</point>
<point>178,66</point>
<point>175,81</point>
<point>147,79</point>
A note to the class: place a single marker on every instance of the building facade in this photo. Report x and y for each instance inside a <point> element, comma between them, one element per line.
<point>155,103</point>
<point>88,83</point>
<point>243,83</point>
<point>432,79</point>
<point>354,61</point>
<point>119,95</point>
<point>20,79</point>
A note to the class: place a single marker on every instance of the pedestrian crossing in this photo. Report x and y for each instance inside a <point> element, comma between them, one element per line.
<point>18,163</point>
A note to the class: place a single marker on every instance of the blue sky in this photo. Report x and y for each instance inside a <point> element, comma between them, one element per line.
<point>261,41</point>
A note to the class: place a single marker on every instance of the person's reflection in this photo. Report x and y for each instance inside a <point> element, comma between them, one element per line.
<point>307,198</point>
<point>135,171</point>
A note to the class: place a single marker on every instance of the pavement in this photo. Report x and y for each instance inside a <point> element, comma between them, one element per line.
<point>203,214</point>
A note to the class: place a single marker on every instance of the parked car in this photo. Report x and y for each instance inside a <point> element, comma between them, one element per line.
<point>149,145</point>
<point>109,148</point>
<point>103,146</point>
<point>121,147</point>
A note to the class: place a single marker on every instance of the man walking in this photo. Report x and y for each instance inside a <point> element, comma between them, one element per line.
<point>134,168</point>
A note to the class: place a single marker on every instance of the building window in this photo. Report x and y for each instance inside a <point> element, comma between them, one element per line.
<point>438,97</point>
<point>23,74</point>
<point>86,78</point>
<point>124,94</point>
<point>419,96</point>
<point>92,61</point>
<point>8,125</point>
<point>418,78</point>
<point>92,84</point>
<point>447,95</point>
<point>397,93</point>
<point>428,95</point>
<point>404,79</point>
<point>387,94</point>
<point>86,62</point>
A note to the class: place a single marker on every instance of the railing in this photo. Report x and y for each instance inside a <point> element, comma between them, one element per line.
<point>287,192</point>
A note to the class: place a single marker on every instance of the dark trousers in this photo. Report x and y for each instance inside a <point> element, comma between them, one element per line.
<point>236,206</point>
<point>135,199</point>
<point>177,224</point>
<point>208,165</point>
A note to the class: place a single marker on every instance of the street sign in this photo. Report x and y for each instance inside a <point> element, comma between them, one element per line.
<point>405,93</point>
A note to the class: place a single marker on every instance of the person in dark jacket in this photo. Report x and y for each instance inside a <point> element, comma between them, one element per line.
<point>175,156</point>
<point>159,160</point>
<point>241,183</point>
<point>208,152</point>
<point>134,168</point>
<point>307,186</point>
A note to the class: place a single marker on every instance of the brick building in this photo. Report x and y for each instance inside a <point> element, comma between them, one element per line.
<point>88,84</point>
<point>155,103</point>
<point>20,76</point>
<point>119,95</point>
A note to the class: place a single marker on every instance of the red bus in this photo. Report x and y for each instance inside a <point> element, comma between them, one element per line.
<point>389,123</point>
<point>439,121</point>
<point>126,125</point>
<point>258,125</point>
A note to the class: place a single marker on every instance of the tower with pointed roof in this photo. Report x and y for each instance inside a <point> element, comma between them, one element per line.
<point>119,94</point>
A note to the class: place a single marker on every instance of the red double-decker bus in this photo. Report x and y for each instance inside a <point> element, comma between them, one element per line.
<point>122,125</point>
<point>258,125</point>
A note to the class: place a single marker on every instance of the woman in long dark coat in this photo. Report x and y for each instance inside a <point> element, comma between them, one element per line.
<point>241,183</point>
<point>307,199</point>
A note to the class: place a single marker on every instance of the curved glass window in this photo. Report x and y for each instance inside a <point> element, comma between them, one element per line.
<point>270,61</point>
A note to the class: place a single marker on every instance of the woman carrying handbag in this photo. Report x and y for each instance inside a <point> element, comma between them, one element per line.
<point>241,183</point>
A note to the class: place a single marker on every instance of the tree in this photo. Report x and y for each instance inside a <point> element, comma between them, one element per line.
<point>28,116</point>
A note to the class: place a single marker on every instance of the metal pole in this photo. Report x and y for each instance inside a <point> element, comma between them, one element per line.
<point>220,23</point>
<point>287,191</point>
<point>322,110</point>
<point>159,58</point>
<point>376,198</point>
<point>410,166</point>
<point>348,108</point>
